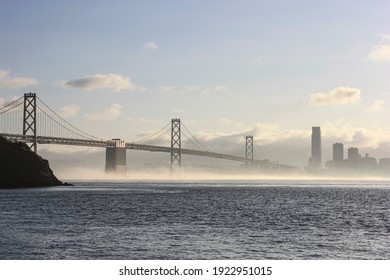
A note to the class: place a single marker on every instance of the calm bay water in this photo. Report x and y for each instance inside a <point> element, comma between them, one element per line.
<point>203,220</point>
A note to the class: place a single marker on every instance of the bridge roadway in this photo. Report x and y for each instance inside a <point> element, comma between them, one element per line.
<point>133,146</point>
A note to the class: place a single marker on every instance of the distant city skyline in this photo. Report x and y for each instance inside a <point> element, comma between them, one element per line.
<point>227,69</point>
<point>355,163</point>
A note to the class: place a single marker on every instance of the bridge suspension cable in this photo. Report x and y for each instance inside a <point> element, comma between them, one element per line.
<point>238,145</point>
<point>189,139</point>
<point>260,149</point>
<point>62,128</point>
<point>200,143</point>
<point>31,120</point>
<point>155,134</point>
<point>11,117</point>
<point>11,105</point>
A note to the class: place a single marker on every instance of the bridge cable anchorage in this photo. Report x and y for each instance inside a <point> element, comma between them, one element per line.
<point>157,133</point>
<point>204,146</point>
<point>86,135</point>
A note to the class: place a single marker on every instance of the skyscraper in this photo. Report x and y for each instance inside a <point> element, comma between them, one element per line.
<point>338,153</point>
<point>353,157</point>
<point>315,160</point>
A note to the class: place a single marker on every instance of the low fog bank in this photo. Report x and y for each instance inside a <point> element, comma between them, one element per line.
<point>190,174</point>
<point>89,164</point>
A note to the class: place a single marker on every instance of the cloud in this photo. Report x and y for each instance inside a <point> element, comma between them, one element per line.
<point>385,37</point>
<point>151,45</point>
<point>173,90</point>
<point>380,53</point>
<point>69,111</point>
<point>112,112</point>
<point>352,135</point>
<point>377,106</point>
<point>337,96</point>
<point>215,89</point>
<point>16,82</point>
<point>103,81</point>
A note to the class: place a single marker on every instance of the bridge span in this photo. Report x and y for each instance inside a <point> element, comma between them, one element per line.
<point>133,146</point>
<point>29,120</point>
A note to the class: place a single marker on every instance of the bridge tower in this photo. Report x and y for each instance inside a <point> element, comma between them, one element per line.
<point>249,149</point>
<point>30,118</point>
<point>175,145</point>
<point>116,157</point>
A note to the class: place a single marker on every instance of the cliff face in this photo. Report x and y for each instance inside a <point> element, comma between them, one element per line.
<point>21,167</point>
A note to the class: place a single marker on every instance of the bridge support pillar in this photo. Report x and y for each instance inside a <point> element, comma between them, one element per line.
<point>116,157</point>
<point>175,145</point>
<point>249,150</point>
<point>30,118</point>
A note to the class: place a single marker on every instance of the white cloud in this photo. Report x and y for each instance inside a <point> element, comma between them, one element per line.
<point>380,53</point>
<point>103,81</point>
<point>16,82</point>
<point>216,89</point>
<point>112,112</point>
<point>151,45</point>
<point>377,106</point>
<point>337,96</point>
<point>69,111</point>
<point>354,136</point>
<point>385,37</point>
<point>173,90</point>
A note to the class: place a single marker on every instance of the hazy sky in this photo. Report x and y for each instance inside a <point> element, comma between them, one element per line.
<point>274,69</point>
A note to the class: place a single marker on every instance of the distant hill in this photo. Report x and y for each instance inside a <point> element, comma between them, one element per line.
<point>21,167</point>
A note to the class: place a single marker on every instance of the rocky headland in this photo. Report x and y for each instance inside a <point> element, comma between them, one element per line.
<point>22,168</point>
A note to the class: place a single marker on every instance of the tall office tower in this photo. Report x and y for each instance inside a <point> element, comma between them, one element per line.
<point>338,152</point>
<point>315,160</point>
<point>353,157</point>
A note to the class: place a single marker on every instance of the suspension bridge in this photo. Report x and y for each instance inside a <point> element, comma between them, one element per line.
<point>30,120</point>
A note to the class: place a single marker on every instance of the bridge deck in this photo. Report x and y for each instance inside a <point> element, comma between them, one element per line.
<point>133,146</point>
